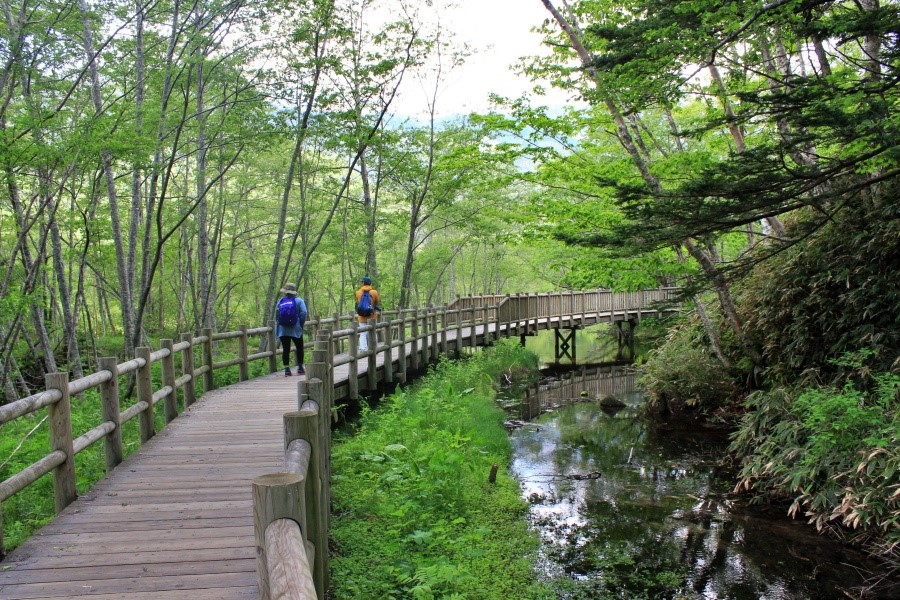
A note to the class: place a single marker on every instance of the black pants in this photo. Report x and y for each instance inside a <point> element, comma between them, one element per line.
<point>286,350</point>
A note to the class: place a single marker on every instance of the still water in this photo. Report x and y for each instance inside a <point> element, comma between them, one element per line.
<point>627,511</point>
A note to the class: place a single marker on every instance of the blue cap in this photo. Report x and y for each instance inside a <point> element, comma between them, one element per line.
<point>366,280</point>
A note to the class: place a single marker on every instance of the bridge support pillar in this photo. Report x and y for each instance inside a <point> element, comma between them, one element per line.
<point>625,339</point>
<point>564,344</point>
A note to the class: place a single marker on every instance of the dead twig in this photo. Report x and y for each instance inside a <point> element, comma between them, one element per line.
<point>19,447</point>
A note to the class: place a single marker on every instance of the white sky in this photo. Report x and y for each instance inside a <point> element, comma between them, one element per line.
<point>499,33</point>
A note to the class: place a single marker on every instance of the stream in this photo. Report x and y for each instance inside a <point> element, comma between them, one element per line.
<point>625,510</point>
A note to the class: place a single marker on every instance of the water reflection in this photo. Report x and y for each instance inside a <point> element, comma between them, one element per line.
<point>626,512</point>
<point>596,344</point>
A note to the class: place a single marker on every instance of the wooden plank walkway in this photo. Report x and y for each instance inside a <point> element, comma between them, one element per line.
<point>175,520</point>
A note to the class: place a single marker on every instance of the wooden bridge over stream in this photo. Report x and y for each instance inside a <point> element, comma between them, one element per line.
<point>229,499</point>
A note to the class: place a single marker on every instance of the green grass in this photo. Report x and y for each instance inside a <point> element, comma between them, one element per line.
<point>30,509</point>
<point>415,516</point>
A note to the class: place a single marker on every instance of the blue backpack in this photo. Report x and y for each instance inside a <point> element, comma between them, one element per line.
<point>287,312</point>
<point>364,307</point>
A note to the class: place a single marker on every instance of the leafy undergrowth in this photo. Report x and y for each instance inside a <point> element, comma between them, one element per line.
<point>415,515</point>
<point>834,452</point>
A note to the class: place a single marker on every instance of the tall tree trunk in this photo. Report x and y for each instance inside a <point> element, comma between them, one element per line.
<point>49,199</point>
<point>203,247</point>
<point>304,111</point>
<point>406,279</point>
<point>821,56</point>
<point>707,264</point>
<point>125,281</point>
<point>156,170</point>
<point>872,43</point>
<point>65,298</point>
<point>136,203</point>
<point>371,210</point>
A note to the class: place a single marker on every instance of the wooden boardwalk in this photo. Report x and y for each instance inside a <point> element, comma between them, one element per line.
<point>175,520</point>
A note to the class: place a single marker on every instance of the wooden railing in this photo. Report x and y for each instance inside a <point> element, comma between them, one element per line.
<point>64,446</point>
<point>571,307</point>
<point>291,508</point>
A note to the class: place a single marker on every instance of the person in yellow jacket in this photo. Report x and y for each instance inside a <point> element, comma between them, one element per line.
<point>368,304</point>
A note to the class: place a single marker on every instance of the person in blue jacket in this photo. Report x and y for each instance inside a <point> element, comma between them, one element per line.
<point>290,315</point>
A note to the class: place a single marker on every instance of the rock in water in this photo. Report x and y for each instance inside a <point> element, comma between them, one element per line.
<point>610,401</point>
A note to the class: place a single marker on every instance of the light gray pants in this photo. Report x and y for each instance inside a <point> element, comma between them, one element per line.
<point>364,341</point>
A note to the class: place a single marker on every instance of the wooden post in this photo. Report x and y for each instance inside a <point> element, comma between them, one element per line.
<point>314,327</point>
<point>304,425</point>
<point>244,366</point>
<point>145,394</point>
<point>555,345</point>
<point>109,399</point>
<point>572,310</point>
<point>497,321</point>
<point>275,496</point>
<point>575,346</point>
<point>459,341</point>
<point>273,345</point>
<point>517,330</point>
<point>508,330</point>
<point>60,417</point>
<point>426,338</point>
<point>414,342</point>
<point>323,355</point>
<point>402,354</point>
<point>208,383</point>
<point>388,352</point>
<point>187,368</point>
<point>335,342</point>
<point>485,333</point>
<point>326,398</point>
<point>435,346</point>
<point>444,348</point>
<point>372,371</point>
<point>168,378</point>
<point>473,330</point>
<point>353,375</point>
<point>323,464</point>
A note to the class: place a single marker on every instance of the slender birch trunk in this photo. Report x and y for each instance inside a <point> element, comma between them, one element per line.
<point>125,280</point>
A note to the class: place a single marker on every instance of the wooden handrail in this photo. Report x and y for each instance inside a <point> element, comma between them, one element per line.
<point>60,458</point>
<point>288,507</point>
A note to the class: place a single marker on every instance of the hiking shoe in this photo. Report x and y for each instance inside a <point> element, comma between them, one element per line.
<point>287,371</point>
<point>301,370</point>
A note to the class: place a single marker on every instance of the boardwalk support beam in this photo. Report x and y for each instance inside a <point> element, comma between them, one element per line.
<point>625,339</point>
<point>564,345</point>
